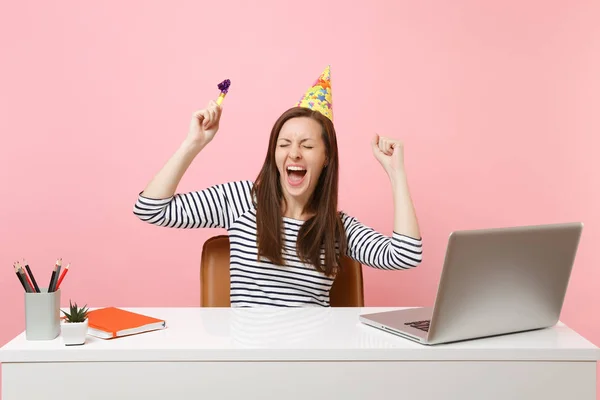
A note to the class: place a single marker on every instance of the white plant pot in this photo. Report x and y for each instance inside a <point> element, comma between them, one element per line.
<point>74,333</point>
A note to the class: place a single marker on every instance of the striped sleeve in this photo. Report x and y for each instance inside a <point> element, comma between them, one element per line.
<point>217,206</point>
<point>373,249</point>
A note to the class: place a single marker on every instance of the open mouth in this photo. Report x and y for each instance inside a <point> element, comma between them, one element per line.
<point>295,174</point>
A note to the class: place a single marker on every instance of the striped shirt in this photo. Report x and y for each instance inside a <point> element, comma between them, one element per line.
<point>256,282</point>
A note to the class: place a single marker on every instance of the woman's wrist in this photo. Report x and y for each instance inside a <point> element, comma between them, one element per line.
<point>190,148</point>
<point>398,179</point>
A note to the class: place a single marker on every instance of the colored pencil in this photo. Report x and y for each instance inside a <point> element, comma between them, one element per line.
<point>35,285</point>
<point>22,271</point>
<point>28,286</point>
<point>62,276</point>
<point>52,279</point>
<point>20,277</point>
<point>58,267</point>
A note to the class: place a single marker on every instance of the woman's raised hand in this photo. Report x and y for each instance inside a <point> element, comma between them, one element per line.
<point>204,125</point>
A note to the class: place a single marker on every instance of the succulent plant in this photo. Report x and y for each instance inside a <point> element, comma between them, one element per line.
<point>76,314</point>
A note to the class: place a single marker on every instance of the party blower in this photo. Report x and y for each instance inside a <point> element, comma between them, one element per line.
<point>224,88</point>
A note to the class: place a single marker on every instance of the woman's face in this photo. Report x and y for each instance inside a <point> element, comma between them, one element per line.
<point>300,156</point>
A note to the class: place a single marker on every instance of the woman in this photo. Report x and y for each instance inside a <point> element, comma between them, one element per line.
<point>286,233</point>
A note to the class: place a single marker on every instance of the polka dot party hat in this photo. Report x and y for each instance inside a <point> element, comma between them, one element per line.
<point>318,96</point>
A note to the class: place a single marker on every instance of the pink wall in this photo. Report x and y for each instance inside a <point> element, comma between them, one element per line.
<point>497,105</point>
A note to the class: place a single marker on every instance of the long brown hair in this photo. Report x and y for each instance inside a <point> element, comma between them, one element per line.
<point>324,230</point>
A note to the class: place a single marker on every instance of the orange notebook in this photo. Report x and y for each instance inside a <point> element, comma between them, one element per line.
<point>112,322</point>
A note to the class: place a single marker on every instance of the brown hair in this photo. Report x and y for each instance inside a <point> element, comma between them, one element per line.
<point>324,230</point>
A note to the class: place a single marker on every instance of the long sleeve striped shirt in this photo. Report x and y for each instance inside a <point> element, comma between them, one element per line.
<point>255,282</point>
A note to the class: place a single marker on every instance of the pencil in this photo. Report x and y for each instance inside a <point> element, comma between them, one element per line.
<point>22,271</point>
<point>58,266</point>
<point>62,276</point>
<point>20,277</point>
<point>35,285</point>
<point>52,279</point>
<point>28,287</point>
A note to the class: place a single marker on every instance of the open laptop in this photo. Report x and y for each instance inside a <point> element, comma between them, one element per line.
<point>494,281</point>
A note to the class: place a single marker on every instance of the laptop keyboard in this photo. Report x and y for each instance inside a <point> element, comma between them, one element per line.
<point>422,325</point>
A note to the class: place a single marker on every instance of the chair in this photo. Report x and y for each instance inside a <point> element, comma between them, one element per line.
<point>346,291</point>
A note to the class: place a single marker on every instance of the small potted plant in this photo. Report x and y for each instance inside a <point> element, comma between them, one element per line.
<point>75,325</point>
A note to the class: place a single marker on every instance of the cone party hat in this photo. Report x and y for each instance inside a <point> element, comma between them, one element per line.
<point>318,96</point>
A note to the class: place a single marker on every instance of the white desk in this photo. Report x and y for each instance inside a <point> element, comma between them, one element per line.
<point>297,354</point>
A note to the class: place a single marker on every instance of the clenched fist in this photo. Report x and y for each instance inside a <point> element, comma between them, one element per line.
<point>204,125</point>
<point>390,153</point>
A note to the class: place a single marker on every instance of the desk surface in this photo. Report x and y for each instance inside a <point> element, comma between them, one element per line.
<point>297,334</point>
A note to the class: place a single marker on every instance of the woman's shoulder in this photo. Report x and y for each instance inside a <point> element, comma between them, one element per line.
<point>351,222</point>
<point>237,189</point>
<point>238,194</point>
<point>243,185</point>
<point>345,217</point>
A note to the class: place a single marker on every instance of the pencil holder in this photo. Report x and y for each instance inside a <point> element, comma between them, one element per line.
<point>42,315</point>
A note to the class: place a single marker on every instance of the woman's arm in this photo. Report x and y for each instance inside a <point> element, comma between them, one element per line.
<point>405,218</point>
<point>390,153</point>
<point>376,250</point>
<point>404,249</point>
<point>165,182</point>
<point>203,128</point>
<point>216,206</point>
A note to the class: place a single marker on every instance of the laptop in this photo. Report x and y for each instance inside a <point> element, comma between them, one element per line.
<point>494,281</point>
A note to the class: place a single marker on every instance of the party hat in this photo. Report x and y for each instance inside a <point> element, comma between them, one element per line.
<point>318,97</point>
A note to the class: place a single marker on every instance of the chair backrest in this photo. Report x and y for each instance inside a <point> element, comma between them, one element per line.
<point>346,291</point>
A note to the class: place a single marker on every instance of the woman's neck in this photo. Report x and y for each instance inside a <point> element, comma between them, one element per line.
<point>295,210</point>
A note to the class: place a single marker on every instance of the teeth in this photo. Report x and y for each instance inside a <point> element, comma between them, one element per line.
<point>291,168</point>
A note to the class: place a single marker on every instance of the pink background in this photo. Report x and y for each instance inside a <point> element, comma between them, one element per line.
<point>497,104</point>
